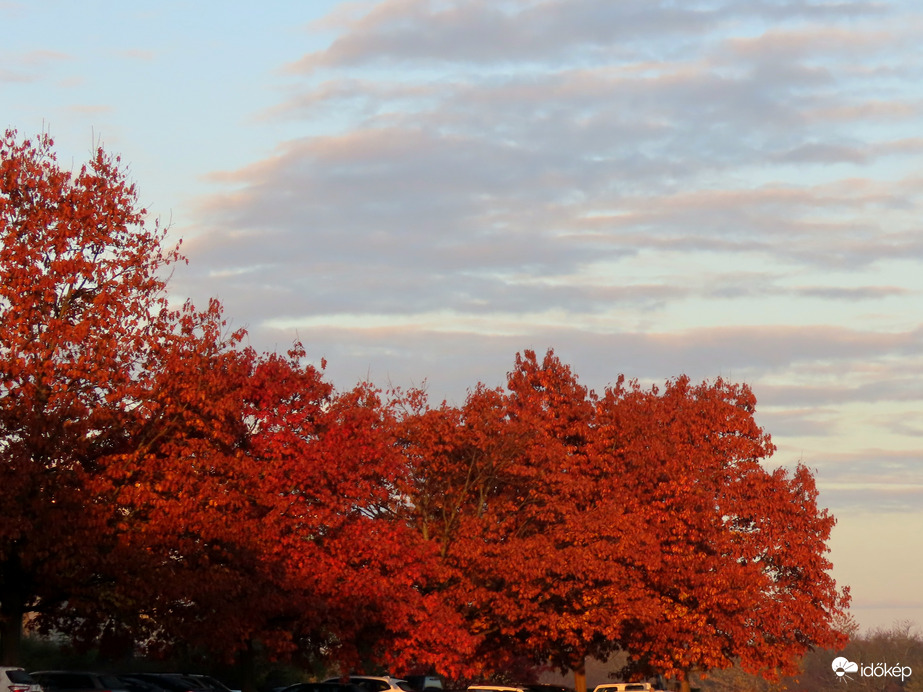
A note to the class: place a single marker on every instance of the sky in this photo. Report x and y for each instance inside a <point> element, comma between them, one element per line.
<point>419,189</point>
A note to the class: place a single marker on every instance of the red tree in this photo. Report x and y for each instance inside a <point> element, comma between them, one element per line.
<point>536,548</point>
<point>737,565</point>
<point>81,303</point>
<point>571,525</point>
<point>163,484</point>
<point>270,500</point>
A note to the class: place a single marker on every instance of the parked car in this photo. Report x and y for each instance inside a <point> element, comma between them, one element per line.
<point>78,681</point>
<point>17,680</point>
<point>176,682</point>
<point>372,683</point>
<point>210,683</point>
<point>626,687</point>
<point>424,682</point>
<point>519,688</point>
<point>321,687</point>
<point>135,685</point>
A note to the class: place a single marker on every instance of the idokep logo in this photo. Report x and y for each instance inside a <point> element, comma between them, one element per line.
<point>842,666</point>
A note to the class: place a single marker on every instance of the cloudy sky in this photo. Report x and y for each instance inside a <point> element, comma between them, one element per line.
<point>418,189</point>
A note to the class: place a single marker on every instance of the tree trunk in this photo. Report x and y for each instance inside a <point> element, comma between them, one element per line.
<point>12,609</point>
<point>580,676</point>
<point>11,613</point>
<point>246,660</point>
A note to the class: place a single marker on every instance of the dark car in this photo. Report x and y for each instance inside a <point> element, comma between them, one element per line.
<point>421,683</point>
<point>175,682</point>
<point>79,681</point>
<point>323,687</point>
<point>209,683</point>
<point>135,685</point>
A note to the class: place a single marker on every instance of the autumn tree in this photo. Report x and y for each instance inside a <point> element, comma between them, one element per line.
<point>163,484</point>
<point>509,486</point>
<point>268,501</point>
<point>572,525</point>
<point>737,563</point>
<point>81,301</point>
<point>571,578</point>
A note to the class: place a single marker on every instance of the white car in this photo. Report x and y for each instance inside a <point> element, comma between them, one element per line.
<point>17,680</point>
<point>373,683</point>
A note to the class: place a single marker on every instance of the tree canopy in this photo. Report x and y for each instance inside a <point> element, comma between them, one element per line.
<point>166,487</point>
<point>643,520</point>
<point>82,303</point>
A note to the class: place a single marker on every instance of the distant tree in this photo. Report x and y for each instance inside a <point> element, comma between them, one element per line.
<point>82,302</point>
<point>899,645</point>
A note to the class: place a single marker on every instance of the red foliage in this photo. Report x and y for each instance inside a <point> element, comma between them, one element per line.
<point>737,569</point>
<point>163,482</point>
<point>270,500</point>
<point>81,302</point>
<point>572,525</point>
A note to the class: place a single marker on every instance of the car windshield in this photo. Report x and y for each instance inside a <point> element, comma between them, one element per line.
<point>211,683</point>
<point>20,676</point>
<point>174,682</point>
<point>68,680</point>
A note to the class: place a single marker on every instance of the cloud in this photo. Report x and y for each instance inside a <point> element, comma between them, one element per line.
<point>851,293</point>
<point>811,422</point>
<point>885,385</point>
<point>784,45</point>
<point>466,176</point>
<point>31,66</point>
<point>403,31</point>
<point>414,31</point>
<point>737,353</point>
<point>888,480</point>
<point>871,110</point>
<point>649,188</point>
